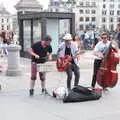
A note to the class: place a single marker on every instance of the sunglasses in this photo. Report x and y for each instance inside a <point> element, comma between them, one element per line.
<point>104,37</point>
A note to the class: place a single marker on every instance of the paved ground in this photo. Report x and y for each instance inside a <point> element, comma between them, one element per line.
<point>15,104</point>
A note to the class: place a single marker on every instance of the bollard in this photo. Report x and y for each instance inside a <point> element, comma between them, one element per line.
<point>13,60</point>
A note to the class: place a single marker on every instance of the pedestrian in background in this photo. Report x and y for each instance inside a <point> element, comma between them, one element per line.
<point>86,40</point>
<point>118,35</point>
<point>77,42</point>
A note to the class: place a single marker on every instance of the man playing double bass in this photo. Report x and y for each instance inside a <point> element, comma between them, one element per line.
<point>99,51</point>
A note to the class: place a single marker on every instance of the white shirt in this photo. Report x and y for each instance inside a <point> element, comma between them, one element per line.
<point>101,47</point>
<point>86,36</point>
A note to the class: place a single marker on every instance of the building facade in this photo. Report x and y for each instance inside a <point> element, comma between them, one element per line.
<point>87,15</point>
<point>109,14</point>
<point>102,14</point>
<point>6,22</point>
<point>61,6</point>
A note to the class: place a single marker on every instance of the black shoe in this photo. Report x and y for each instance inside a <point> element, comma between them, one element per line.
<point>31,92</point>
<point>44,91</point>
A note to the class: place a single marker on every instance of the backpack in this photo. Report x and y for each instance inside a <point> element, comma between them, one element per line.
<point>80,94</point>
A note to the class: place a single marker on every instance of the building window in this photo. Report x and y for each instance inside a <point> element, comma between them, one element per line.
<point>87,3</point>
<point>2,27</point>
<point>81,11</point>
<point>104,0</point>
<point>81,19</point>
<point>111,19</point>
<point>56,10</point>
<point>8,27</point>
<point>87,19</point>
<point>56,3</point>
<point>111,12</point>
<point>103,19</point>
<point>93,11</point>
<point>104,6</point>
<point>118,12</point>
<point>51,10</point>
<point>87,27</point>
<point>111,0</point>
<point>87,11</point>
<point>93,19</point>
<point>81,27</point>
<point>111,6</point>
<point>119,6</point>
<point>104,12</point>
<point>103,27</point>
<point>2,20</point>
<point>111,27</point>
<point>81,3</point>
<point>93,4</point>
<point>7,20</point>
<point>118,19</point>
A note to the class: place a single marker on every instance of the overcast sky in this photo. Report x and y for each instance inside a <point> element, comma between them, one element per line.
<point>9,4</point>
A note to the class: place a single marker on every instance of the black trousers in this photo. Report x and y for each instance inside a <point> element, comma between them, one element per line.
<point>97,64</point>
<point>74,68</point>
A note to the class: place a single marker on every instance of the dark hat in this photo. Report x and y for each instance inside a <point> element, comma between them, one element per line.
<point>47,38</point>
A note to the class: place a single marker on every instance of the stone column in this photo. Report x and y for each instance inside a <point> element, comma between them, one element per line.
<point>13,60</point>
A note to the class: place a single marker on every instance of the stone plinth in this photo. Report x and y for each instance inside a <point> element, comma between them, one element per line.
<point>13,60</point>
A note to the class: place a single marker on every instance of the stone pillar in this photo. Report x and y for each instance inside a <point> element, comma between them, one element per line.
<point>13,60</point>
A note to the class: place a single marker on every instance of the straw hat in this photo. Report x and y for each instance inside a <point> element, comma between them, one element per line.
<point>67,36</point>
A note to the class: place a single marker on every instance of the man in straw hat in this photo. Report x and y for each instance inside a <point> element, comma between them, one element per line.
<point>70,49</point>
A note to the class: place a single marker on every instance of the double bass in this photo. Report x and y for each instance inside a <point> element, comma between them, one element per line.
<point>107,75</point>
